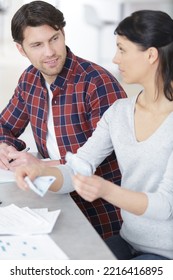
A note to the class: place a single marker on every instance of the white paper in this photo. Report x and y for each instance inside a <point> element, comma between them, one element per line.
<point>38,247</point>
<point>41,184</point>
<point>6,176</point>
<point>26,221</point>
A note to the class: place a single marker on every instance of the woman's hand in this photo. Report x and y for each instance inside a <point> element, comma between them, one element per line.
<point>32,171</point>
<point>91,187</point>
<point>36,170</point>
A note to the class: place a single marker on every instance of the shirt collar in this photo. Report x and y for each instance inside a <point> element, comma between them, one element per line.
<point>64,75</point>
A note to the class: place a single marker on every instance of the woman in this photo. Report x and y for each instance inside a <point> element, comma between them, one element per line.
<point>143,143</point>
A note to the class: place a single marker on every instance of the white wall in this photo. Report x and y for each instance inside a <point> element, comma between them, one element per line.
<point>84,39</point>
<point>88,40</point>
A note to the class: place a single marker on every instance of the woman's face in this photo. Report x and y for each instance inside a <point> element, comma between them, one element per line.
<point>133,63</point>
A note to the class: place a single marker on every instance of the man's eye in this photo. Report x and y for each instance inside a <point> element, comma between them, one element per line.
<point>55,38</point>
<point>36,45</point>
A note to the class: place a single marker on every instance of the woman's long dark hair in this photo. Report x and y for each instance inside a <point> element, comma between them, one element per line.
<point>149,28</point>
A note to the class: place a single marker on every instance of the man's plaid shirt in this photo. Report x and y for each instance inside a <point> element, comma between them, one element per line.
<point>82,92</point>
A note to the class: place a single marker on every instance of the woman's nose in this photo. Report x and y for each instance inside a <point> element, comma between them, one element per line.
<point>115,59</point>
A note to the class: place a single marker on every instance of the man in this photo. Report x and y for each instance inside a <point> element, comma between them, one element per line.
<point>63,97</point>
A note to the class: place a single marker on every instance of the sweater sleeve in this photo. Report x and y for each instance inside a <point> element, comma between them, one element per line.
<point>93,152</point>
<point>67,173</point>
<point>160,203</point>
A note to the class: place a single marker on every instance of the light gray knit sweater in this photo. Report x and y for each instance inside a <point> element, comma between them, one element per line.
<point>146,166</point>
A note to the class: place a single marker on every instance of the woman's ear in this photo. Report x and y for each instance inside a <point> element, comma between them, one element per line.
<point>152,55</point>
<point>20,49</point>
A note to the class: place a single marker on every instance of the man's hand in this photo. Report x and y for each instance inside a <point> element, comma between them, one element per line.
<point>10,158</point>
<point>5,150</point>
<point>20,159</point>
<point>24,158</point>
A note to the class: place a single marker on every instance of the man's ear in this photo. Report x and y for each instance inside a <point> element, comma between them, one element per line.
<point>63,32</point>
<point>20,49</point>
<point>152,54</point>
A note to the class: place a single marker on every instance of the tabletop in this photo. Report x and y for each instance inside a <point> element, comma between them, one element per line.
<point>72,232</point>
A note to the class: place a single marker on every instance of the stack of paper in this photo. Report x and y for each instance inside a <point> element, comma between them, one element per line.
<point>23,235</point>
<point>26,221</point>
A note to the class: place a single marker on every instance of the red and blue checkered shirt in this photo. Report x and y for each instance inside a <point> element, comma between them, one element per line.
<point>82,92</point>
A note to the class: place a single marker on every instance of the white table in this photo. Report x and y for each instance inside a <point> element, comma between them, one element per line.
<point>72,232</point>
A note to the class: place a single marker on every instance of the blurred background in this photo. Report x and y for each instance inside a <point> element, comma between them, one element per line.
<point>89,32</point>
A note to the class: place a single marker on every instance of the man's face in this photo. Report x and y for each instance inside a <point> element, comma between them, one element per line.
<point>46,50</point>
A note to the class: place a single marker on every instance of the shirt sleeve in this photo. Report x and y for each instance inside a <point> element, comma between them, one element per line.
<point>13,121</point>
<point>102,92</point>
